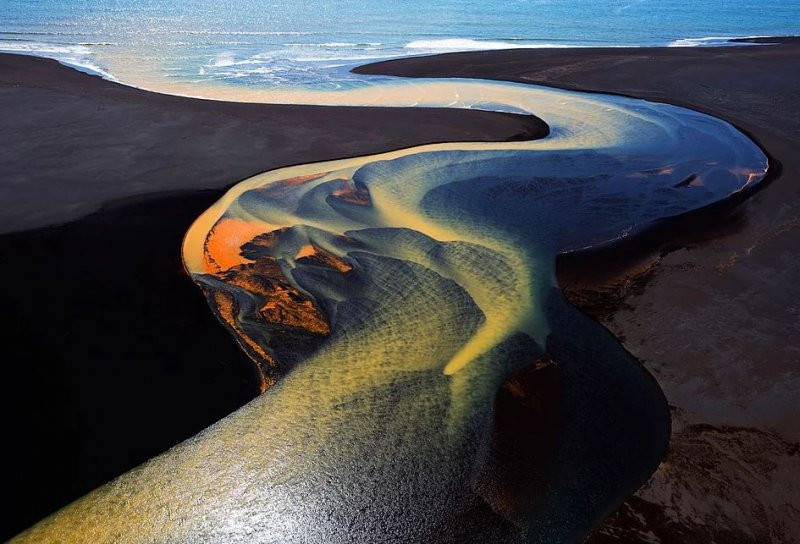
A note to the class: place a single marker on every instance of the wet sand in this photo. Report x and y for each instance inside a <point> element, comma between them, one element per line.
<point>111,353</point>
<point>710,305</point>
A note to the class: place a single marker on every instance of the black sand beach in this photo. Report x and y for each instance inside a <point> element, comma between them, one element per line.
<point>715,307</point>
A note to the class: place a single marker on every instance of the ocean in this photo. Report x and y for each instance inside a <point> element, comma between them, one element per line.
<point>291,43</point>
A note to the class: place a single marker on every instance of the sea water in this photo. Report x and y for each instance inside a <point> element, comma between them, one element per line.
<point>291,43</point>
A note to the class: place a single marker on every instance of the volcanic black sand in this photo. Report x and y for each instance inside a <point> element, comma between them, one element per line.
<point>710,306</point>
<point>110,353</point>
<point>103,333</point>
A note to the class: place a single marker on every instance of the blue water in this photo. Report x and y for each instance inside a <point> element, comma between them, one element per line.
<point>291,42</point>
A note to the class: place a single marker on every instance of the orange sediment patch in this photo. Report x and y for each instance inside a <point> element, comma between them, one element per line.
<point>283,307</point>
<point>312,254</point>
<point>222,248</point>
<point>283,304</point>
<point>306,251</point>
<point>233,254</point>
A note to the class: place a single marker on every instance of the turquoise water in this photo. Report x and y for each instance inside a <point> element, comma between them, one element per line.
<point>290,43</point>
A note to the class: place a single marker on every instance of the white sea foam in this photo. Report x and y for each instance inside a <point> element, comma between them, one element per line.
<point>45,48</point>
<point>223,59</point>
<point>78,56</point>
<point>344,57</point>
<point>708,41</point>
<point>469,44</point>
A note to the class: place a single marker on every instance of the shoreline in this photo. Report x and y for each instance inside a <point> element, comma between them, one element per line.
<point>90,66</point>
<point>555,53</point>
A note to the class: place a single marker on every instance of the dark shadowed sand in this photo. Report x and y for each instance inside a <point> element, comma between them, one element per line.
<point>714,314</point>
<point>110,353</point>
<point>712,306</point>
<point>82,141</point>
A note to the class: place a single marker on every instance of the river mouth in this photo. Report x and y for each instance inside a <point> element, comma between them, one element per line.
<point>424,376</point>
